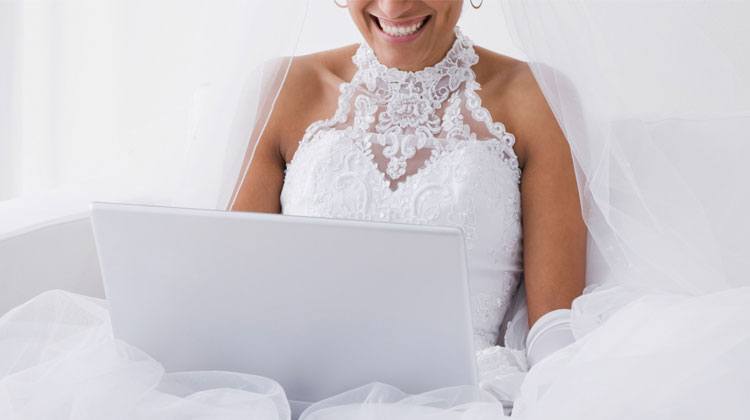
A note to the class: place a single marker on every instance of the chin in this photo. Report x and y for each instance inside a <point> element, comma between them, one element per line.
<point>402,44</point>
<point>402,58</point>
<point>407,35</point>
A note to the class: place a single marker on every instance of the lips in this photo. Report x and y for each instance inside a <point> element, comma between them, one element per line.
<point>402,28</point>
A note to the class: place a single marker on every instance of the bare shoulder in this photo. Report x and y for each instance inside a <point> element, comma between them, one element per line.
<point>310,93</point>
<point>322,69</point>
<point>512,95</point>
<point>494,70</point>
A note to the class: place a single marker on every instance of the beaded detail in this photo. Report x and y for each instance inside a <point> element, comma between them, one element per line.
<point>418,147</point>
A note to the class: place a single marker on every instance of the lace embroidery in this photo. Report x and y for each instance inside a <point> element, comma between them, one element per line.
<point>405,112</point>
<point>427,134</point>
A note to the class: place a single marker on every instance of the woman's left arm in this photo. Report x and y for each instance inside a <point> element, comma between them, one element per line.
<point>554,234</point>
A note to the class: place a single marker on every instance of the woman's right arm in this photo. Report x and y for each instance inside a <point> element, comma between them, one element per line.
<point>260,189</point>
<point>309,93</point>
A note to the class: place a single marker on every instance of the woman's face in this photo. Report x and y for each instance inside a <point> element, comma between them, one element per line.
<point>407,34</point>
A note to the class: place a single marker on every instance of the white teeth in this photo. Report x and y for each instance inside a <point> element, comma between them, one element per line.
<point>400,30</point>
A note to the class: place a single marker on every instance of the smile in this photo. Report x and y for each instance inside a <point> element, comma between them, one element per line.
<point>400,30</point>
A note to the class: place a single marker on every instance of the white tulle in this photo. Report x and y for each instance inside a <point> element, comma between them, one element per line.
<point>59,360</point>
<point>658,121</point>
<point>660,356</point>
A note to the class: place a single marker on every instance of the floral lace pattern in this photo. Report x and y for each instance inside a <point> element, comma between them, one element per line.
<point>418,147</point>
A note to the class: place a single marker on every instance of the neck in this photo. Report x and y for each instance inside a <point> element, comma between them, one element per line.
<point>433,56</point>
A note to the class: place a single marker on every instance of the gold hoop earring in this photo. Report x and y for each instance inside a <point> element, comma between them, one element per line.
<point>474,5</point>
<point>343,6</point>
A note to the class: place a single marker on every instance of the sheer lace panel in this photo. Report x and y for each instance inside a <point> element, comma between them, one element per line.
<point>405,120</point>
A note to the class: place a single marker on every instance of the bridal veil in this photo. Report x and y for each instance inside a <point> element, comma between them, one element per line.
<point>164,102</point>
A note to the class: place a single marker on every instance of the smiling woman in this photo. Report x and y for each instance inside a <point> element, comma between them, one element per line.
<point>418,125</point>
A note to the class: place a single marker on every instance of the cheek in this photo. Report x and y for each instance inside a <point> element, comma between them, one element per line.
<point>446,9</point>
<point>360,17</point>
<point>447,14</point>
<point>452,13</point>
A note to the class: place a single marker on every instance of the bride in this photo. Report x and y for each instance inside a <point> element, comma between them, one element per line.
<point>418,125</point>
<point>613,157</point>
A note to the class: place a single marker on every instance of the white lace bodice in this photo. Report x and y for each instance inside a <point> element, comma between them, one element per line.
<point>418,147</point>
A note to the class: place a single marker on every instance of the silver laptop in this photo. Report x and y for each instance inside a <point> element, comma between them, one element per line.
<point>319,305</point>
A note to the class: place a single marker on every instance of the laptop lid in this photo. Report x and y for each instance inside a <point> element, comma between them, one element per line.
<point>319,305</point>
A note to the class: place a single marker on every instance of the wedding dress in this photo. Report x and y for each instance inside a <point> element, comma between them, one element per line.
<point>419,147</point>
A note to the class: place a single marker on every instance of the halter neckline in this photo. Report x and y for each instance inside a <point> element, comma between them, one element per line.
<point>461,54</point>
